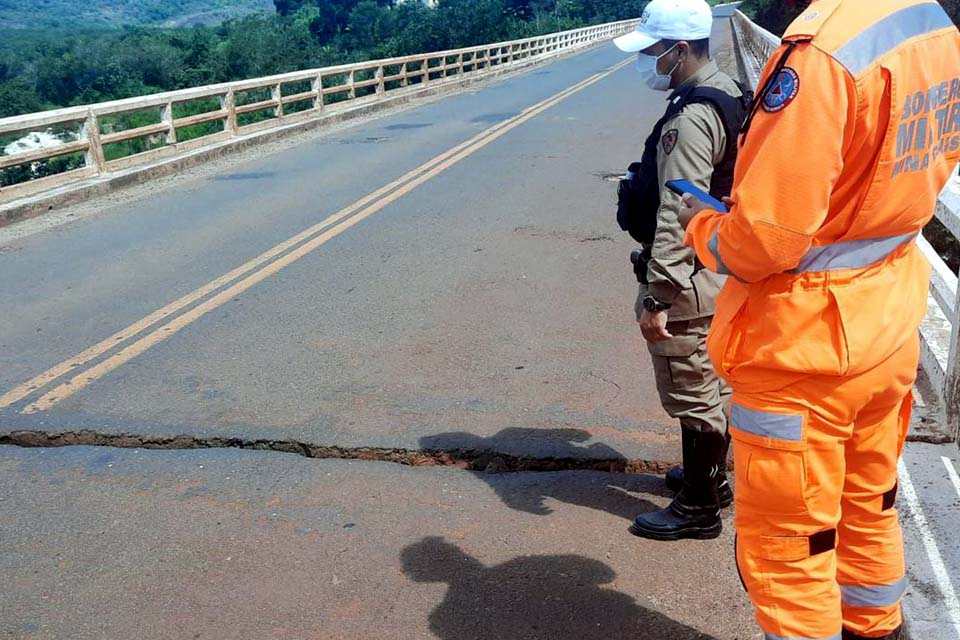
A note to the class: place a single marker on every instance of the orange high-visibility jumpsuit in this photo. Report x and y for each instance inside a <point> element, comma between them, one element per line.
<point>816,329</point>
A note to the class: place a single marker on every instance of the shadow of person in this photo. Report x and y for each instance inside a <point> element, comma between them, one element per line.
<point>612,492</point>
<point>532,597</point>
<point>555,444</point>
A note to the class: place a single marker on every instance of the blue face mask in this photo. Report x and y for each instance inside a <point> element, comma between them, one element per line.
<point>647,67</point>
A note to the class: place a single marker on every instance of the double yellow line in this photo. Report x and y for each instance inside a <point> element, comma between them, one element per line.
<point>256,270</point>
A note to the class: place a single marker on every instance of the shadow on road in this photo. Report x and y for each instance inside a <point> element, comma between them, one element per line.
<point>613,493</point>
<point>532,597</point>
<point>519,441</point>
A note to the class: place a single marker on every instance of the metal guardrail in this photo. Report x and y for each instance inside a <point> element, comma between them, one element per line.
<point>271,102</point>
<point>756,45</point>
<point>940,330</point>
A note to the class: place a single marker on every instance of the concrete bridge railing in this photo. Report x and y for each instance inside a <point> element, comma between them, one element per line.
<point>40,151</point>
<point>940,331</point>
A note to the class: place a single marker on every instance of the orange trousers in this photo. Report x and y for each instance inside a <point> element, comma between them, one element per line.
<point>819,546</point>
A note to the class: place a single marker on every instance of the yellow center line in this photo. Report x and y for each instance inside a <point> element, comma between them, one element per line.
<point>21,391</point>
<point>18,393</point>
<point>387,195</point>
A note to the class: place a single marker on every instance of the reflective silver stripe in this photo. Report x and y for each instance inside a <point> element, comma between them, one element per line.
<point>714,246</point>
<point>770,636</point>
<point>854,254</point>
<point>886,35</point>
<point>874,596</point>
<point>779,426</point>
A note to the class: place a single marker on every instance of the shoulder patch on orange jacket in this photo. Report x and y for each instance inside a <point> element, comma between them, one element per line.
<point>782,92</point>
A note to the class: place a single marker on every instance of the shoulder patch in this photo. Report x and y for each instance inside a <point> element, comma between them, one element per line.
<point>782,92</point>
<point>669,140</point>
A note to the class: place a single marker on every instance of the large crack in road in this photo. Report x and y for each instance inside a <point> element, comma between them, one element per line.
<point>486,460</point>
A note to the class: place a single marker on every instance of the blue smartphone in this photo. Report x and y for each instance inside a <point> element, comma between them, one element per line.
<point>681,187</point>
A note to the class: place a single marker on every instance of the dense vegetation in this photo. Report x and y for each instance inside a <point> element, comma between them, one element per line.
<point>774,15</point>
<point>44,14</point>
<point>48,68</point>
<point>43,69</point>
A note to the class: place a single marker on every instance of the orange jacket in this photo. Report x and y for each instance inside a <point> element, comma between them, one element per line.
<point>838,171</point>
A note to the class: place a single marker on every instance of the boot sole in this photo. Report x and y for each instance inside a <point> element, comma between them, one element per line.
<point>699,533</point>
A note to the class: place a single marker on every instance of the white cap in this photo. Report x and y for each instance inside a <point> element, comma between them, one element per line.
<point>668,20</point>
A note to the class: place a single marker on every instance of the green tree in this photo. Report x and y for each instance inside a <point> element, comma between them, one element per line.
<point>470,22</point>
<point>416,30</point>
<point>290,7</point>
<point>774,15</point>
<point>370,25</point>
<point>17,96</point>
<point>254,48</point>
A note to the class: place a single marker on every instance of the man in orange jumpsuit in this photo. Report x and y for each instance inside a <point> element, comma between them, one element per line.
<point>855,130</point>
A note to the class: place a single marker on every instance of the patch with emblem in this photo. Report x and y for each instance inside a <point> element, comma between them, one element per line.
<point>783,91</point>
<point>669,140</point>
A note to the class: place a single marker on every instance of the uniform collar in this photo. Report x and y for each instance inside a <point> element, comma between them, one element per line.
<point>705,72</point>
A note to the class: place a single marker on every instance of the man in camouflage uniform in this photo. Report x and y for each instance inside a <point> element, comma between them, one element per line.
<point>694,141</point>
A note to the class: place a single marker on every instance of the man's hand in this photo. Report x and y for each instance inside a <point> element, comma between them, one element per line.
<point>691,206</point>
<point>654,326</point>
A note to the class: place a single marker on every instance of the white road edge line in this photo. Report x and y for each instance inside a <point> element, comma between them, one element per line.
<point>951,604</point>
<point>952,472</point>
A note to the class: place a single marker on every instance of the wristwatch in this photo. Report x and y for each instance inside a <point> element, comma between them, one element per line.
<point>653,305</point>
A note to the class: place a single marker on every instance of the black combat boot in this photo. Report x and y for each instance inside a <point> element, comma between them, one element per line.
<point>674,476</point>
<point>695,512</point>
<point>896,634</point>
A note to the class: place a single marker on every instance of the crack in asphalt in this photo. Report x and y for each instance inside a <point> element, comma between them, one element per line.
<point>483,460</point>
<point>486,460</point>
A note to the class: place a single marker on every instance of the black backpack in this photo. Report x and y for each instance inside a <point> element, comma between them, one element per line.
<point>638,198</point>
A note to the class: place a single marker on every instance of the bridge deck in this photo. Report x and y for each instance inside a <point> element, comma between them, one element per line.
<point>495,295</point>
<point>482,302</point>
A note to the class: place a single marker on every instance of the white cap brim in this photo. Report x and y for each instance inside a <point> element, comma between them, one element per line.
<point>635,41</point>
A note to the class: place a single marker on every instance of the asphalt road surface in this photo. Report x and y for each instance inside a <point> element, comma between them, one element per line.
<point>485,302</point>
